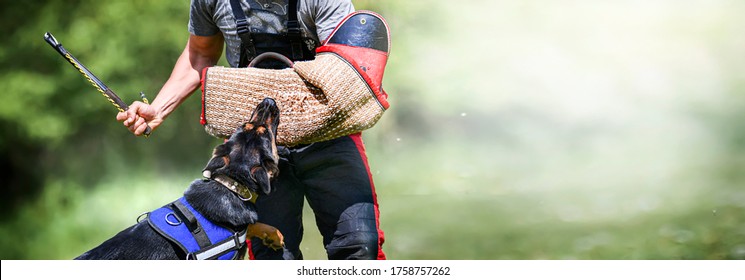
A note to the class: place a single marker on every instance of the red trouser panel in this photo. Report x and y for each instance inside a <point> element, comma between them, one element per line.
<point>357,138</point>
<point>335,178</point>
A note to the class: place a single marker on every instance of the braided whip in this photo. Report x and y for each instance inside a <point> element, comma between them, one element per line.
<point>100,86</point>
<point>87,75</point>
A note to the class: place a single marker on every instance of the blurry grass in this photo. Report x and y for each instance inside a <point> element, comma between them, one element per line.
<point>68,219</point>
<point>432,212</point>
<point>515,227</point>
<point>444,210</point>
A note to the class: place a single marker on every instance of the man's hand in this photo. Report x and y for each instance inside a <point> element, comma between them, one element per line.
<point>138,117</point>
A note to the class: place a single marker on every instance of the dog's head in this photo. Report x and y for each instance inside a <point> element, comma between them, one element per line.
<point>250,155</point>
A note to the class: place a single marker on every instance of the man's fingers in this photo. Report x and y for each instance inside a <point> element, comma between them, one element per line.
<point>136,117</point>
<point>121,116</point>
<point>140,126</point>
<point>128,117</point>
<point>140,130</point>
<point>131,124</point>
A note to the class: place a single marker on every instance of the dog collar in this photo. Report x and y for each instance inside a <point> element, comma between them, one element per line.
<point>243,192</point>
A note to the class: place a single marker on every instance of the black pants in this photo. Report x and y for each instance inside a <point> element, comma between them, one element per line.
<point>335,178</point>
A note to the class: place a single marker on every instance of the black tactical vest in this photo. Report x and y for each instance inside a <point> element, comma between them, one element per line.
<point>289,43</point>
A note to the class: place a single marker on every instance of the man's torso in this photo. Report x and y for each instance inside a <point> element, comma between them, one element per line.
<point>317,20</point>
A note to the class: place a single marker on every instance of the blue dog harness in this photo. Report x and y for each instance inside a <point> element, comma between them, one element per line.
<point>198,237</point>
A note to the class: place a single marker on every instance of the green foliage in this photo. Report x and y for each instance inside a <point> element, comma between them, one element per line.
<point>130,45</point>
<point>61,120</point>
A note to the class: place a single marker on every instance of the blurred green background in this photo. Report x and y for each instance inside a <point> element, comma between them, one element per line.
<point>528,129</point>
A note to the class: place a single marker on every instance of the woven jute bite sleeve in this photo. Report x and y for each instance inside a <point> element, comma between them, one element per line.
<point>319,100</point>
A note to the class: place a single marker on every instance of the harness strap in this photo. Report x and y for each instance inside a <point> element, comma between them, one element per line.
<point>241,24</point>
<point>293,31</point>
<point>174,222</point>
<point>248,49</point>
<point>191,223</point>
<point>227,245</point>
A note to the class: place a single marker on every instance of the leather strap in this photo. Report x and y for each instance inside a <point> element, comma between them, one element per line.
<point>191,223</point>
<point>243,192</point>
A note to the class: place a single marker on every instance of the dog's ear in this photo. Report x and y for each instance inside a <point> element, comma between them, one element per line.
<point>220,158</point>
<point>262,179</point>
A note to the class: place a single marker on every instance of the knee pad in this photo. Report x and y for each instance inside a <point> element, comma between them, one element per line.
<point>356,235</point>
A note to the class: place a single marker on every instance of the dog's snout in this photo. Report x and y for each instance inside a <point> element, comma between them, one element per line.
<point>267,112</point>
<point>268,106</point>
<point>269,102</point>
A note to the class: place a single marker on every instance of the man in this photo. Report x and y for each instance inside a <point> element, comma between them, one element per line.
<point>332,175</point>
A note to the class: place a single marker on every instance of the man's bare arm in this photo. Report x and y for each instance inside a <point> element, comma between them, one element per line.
<point>200,52</point>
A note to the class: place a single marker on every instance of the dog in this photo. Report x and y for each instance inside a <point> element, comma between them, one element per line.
<point>224,199</point>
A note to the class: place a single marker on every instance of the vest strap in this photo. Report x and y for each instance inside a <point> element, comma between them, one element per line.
<point>199,238</point>
<point>191,223</point>
<point>248,47</point>
<point>293,31</point>
<point>227,245</point>
<point>244,32</point>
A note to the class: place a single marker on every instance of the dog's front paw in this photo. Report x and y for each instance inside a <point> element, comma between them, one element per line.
<point>269,235</point>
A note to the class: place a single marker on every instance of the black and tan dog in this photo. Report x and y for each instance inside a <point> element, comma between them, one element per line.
<point>216,214</point>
